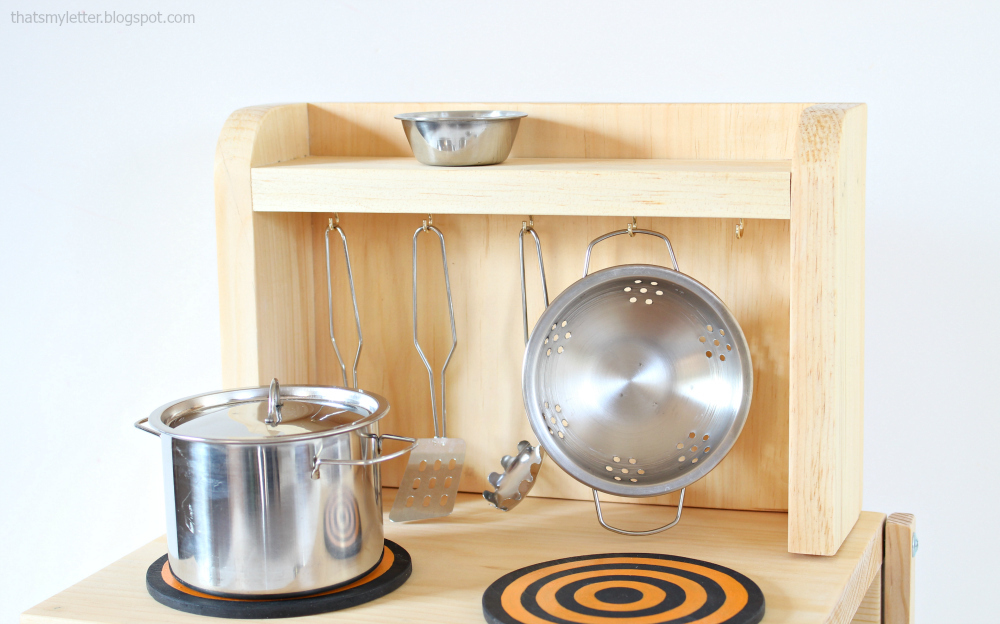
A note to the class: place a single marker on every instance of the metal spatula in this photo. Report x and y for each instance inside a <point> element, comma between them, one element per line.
<point>430,482</point>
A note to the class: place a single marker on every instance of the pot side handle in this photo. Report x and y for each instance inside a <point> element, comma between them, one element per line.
<point>142,425</point>
<point>317,461</point>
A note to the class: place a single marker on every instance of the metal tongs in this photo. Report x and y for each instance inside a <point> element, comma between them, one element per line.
<point>520,470</point>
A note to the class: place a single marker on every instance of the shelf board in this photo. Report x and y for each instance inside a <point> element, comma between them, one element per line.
<point>758,189</point>
<point>456,558</point>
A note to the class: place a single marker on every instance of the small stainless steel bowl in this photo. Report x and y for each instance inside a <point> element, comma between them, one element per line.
<point>461,138</point>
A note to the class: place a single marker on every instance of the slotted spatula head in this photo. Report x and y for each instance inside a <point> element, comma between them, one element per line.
<point>430,482</point>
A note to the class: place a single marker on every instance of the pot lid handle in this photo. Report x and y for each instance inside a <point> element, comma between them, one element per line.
<point>273,404</point>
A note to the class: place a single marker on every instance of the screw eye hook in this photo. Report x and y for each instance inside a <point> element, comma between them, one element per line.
<point>428,222</point>
<point>739,229</point>
<point>632,227</point>
<point>529,224</point>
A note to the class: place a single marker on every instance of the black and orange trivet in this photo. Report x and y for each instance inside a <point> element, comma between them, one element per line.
<point>391,572</point>
<point>624,589</point>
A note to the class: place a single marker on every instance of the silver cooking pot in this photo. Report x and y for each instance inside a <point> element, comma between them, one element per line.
<point>272,491</point>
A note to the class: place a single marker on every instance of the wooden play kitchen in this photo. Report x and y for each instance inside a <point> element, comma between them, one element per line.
<point>763,202</point>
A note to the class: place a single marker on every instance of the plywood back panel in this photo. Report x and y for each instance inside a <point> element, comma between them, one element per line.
<point>484,379</point>
<point>715,131</point>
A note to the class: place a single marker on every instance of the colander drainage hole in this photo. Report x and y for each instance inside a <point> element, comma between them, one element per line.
<point>649,301</point>
<point>722,332</point>
<point>565,423</point>
<point>680,445</point>
<point>721,357</point>
<point>715,342</point>
<point>708,354</point>
<point>560,350</point>
<point>558,408</point>
<point>708,327</point>
<point>634,480</point>
<point>641,471</point>
<point>642,290</point>
<point>706,437</point>
<point>628,289</point>
<point>700,339</point>
<point>564,325</point>
<point>694,461</point>
<point>691,435</point>
<point>638,281</point>
<point>618,478</point>
<point>631,300</point>
<point>617,459</point>
<point>707,448</point>
<point>608,468</point>
<point>561,434</point>
<point>631,461</point>
<point>681,458</point>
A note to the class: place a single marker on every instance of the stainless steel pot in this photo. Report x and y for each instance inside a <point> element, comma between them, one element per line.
<point>272,491</point>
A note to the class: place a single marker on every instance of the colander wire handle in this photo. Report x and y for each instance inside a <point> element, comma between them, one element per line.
<point>527,226</point>
<point>630,231</point>
<point>335,226</point>
<point>440,430</point>
<point>673,523</point>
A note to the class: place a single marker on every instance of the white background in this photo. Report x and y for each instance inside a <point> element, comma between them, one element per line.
<point>108,294</point>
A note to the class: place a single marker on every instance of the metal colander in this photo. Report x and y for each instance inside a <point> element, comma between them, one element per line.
<point>637,380</point>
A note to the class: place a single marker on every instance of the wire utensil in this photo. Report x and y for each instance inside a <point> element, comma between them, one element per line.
<point>430,481</point>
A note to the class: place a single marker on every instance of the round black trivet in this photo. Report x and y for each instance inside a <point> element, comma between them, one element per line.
<point>622,588</point>
<point>387,576</point>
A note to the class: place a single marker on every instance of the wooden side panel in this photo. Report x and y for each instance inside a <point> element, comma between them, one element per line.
<point>252,266</point>
<point>827,328</point>
<point>712,131</point>
<point>900,569</point>
<point>870,611</point>
<point>484,379</point>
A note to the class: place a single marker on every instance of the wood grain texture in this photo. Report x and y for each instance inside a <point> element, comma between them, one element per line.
<point>870,611</point>
<point>900,569</point>
<point>826,416</point>
<point>456,558</point>
<point>573,130</point>
<point>251,137</point>
<point>542,186</point>
<point>485,404</point>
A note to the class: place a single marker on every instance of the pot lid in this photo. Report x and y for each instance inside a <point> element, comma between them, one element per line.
<point>269,414</point>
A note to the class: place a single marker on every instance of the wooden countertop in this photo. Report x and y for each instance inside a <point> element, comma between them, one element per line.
<point>456,558</point>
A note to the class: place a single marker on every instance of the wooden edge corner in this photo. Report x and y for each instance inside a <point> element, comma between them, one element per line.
<point>899,575</point>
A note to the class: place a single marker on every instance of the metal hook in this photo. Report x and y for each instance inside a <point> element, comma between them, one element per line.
<point>739,229</point>
<point>528,225</point>
<point>632,227</point>
<point>428,223</point>
<point>334,222</point>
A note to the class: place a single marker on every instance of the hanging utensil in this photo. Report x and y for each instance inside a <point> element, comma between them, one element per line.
<point>637,380</point>
<point>430,481</point>
<point>521,469</point>
<point>334,225</point>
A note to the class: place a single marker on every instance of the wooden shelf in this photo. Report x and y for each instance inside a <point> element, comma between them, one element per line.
<point>456,558</point>
<point>651,187</point>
